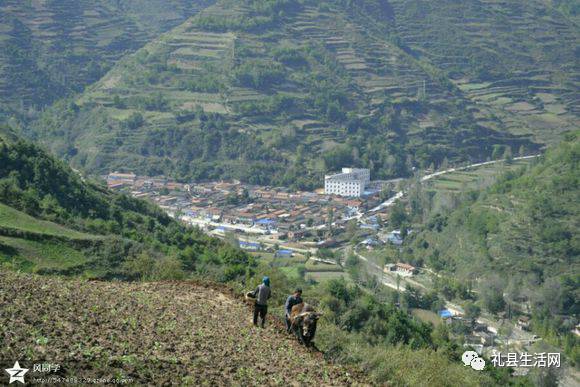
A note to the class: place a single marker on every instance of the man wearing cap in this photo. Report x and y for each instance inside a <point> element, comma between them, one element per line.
<point>293,299</point>
<point>261,294</point>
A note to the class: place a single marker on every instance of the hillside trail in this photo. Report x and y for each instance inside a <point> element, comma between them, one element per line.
<point>161,333</point>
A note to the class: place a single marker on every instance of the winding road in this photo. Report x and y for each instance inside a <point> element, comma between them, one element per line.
<point>389,202</point>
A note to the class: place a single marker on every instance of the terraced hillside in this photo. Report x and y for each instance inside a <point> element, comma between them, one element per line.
<point>516,62</point>
<point>277,92</point>
<point>51,48</point>
<point>155,333</point>
<point>39,246</point>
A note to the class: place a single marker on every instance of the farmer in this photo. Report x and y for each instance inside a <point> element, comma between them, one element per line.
<point>261,294</point>
<point>293,299</point>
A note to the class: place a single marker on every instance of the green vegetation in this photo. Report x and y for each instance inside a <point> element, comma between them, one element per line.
<point>368,331</point>
<point>516,244</point>
<point>51,49</point>
<point>79,228</point>
<point>13,219</point>
<point>279,92</point>
<point>276,93</point>
<point>54,221</point>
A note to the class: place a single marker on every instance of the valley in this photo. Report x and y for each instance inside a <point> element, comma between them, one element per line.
<point>411,165</point>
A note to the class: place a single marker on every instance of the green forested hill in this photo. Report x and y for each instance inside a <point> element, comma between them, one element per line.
<point>527,223</point>
<point>54,221</point>
<point>265,90</point>
<point>51,48</point>
<point>517,243</point>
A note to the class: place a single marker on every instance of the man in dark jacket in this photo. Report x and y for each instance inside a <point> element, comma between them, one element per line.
<point>261,294</point>
<point>293,299</point>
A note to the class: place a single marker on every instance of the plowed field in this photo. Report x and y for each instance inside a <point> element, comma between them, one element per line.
<point>148,333</point>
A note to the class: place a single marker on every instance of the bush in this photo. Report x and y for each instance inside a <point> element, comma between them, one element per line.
<point>141,267</point>
<point>168,268</point>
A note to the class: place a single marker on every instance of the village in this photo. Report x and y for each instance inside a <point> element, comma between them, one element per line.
<point>271,215</point>
<point>292,229</point>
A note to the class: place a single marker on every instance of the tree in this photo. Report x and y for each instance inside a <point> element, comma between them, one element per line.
<point>168,268</point>
<point>398,214</point>
<point>491,293</point>
<point>351,230</point>
<point>232,239</point>
<point>134,121</point>
<point>411,298</point>
<point>497,152</point>
<point>118,103</point>
<point>472,311</point>
<point>507,155</point>
<point>141,267</point>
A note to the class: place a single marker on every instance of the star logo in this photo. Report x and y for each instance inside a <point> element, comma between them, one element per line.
<point>16,373</point>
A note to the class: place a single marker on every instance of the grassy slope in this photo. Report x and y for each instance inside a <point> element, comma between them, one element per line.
<point>17,220</point>
<point>34,248</point>
<point>54,221</point>
<point>337,46</point>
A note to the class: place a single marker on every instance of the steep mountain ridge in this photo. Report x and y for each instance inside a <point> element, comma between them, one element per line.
<point>518,240</point>
<point>54,221</point>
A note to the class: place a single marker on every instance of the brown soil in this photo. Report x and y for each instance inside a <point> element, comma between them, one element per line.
<point>153,333</point>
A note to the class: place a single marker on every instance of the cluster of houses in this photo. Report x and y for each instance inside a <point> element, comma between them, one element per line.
<point>234,206</point>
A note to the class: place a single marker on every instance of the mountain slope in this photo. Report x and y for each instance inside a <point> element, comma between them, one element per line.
<point>54,221</point>
<point>51,48</point>
<point>515,60</point>
<point>278,92</point>
<point>154,333</point>
<point>523,230</point>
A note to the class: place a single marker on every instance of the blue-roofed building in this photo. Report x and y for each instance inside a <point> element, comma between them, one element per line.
<point>370,242</point>
<point>252,246</point>
<point>395,238</point>
<point>284,253</point>
<point>445,313</point>
<point>267,224</point>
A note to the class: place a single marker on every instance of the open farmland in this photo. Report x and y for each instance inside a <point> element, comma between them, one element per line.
<point>186,333</point>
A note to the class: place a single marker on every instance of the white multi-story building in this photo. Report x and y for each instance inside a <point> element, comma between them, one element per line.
<point>350,182</point>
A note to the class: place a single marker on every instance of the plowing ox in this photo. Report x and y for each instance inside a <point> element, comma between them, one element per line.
<point>304,318</point>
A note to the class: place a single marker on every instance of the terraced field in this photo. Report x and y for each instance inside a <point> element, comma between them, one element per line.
<point>33,245</point>
<point>474,179</point>
<point>51,48</point>
<point>11,219</point>
<point>182,333</point>
<point>308,77</point>
<point>514,61</point>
